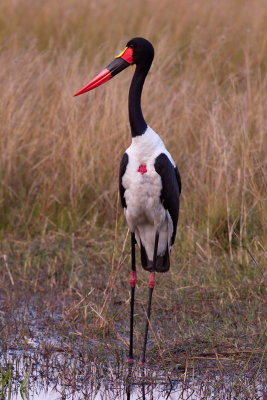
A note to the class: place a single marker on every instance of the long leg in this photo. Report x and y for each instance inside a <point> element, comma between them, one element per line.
<point>151,288</point>
<point>132,283</point>
<point>129,381</point>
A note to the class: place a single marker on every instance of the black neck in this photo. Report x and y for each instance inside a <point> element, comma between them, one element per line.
<point>137,121</point>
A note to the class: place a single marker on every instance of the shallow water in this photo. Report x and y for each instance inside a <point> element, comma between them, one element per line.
<point>46,364</point>
<point>57,376</point>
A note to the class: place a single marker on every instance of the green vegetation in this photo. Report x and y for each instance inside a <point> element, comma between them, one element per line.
<point>6,380</point>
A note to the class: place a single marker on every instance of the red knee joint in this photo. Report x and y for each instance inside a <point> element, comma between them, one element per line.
<point>151,283</point>
<point>133,279</point>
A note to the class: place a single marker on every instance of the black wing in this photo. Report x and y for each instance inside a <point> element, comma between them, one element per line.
<point>178,177</point>
<point>171,188</point>
<point>123,166</point>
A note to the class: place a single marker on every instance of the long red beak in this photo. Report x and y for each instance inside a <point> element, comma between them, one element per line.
<point>117,65</point>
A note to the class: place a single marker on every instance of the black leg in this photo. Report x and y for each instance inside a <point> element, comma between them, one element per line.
<point>132,283</point>
<point>151,288</point>
<point>129,382</point>
<point>143,386</point>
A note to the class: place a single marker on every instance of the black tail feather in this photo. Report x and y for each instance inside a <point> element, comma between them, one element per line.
<point>162,262</point>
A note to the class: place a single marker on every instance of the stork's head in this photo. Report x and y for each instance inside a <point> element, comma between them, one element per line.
<point>143,51</point>
<point>138,51</point>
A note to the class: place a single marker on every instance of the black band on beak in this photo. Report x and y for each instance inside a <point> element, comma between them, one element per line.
<point>117,65</point>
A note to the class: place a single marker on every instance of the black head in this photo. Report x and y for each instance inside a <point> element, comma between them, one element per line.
<point>139,51</point>
<point>143,51</point>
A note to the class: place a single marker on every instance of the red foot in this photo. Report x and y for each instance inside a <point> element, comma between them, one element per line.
<point>133,279</point>
<point>143,364</point>
<point>151,283</point>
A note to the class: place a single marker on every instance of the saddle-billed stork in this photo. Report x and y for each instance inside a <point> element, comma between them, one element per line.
<point>149,180</point>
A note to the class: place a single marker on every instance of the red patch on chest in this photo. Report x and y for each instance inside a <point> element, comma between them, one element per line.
<point>142,169</point>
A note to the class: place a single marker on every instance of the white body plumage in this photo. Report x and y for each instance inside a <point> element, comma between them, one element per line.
<point>145,213</point>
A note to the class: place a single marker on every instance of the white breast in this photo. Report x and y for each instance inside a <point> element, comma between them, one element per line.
<point>145,213</point>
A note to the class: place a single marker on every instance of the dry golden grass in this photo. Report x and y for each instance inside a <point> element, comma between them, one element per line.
<point>64,252</point>
<point>206,96</point>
